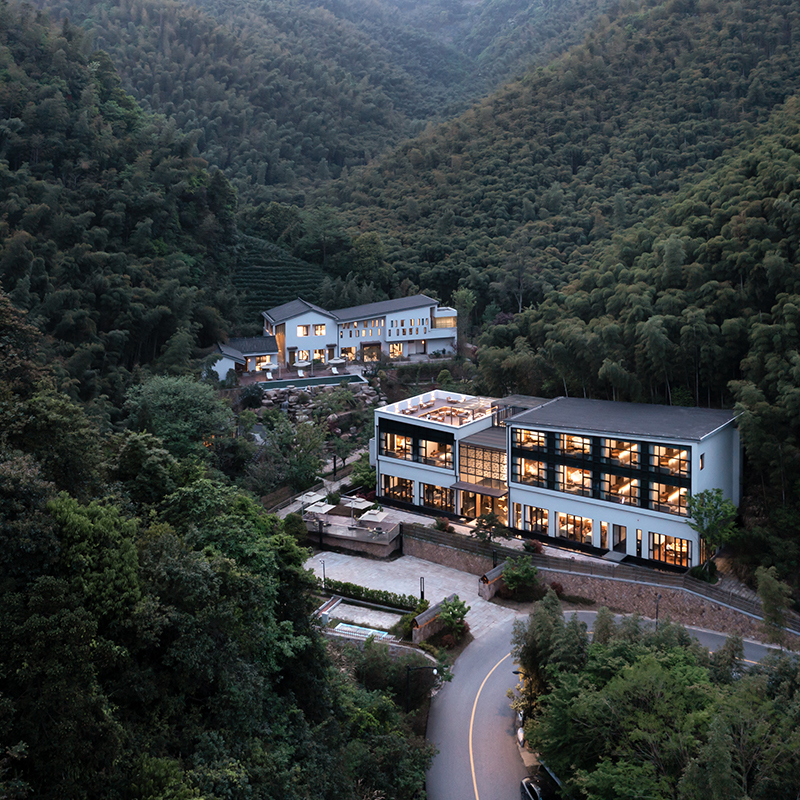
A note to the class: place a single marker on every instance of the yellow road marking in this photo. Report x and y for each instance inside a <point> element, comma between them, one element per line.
<point>472,722</point>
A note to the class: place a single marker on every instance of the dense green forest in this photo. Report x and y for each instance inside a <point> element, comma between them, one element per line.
<point>156,623</point>
<point>625,224</point>
<point>284,95</point>
<point>641,713</point>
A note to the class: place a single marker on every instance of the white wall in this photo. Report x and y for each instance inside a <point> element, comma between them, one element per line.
<point>311,342</point>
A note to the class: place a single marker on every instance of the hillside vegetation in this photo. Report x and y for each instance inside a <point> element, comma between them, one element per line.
<point>627,222</point>
<point>285,95</point>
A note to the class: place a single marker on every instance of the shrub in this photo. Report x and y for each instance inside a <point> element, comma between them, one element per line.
<point>405,627</point>
<point>453,614</point>
<point>532,546</point>
<point>558,588</point>
<point>379,596</point>
<point>708,575</point>
<point>448,641</point>
<point>250,396</point>
<point>442,524</point>
<point>294,525</point>
<point>522,579</point>
<point>333,498</point>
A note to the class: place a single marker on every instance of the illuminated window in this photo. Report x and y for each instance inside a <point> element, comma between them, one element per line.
<point>397,446</point>
<point>535,519</point>
<point>574,480</point>
<point>618,489</point>
<point>303,330</point>
<point>263,362</point>
<point>437,497</point>
<point>670,550</point>
<point>570,445</point>
<point>616,451</point>
<point>526,470</point>
<point>532,440</point>
<point>669,499</point>
<point>398,488</point>
<point>319,330</point>
<point>576,529</point>
<point>436,454</point>
<point>672,460</point>
<point>302,355</point>
<point>349,353</point>
<point>396,350</point>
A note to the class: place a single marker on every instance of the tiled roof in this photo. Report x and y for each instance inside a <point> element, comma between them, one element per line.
<point>638,420</point>
<point>293,309</point>
<point>255,345</point>
<point>383,307</point>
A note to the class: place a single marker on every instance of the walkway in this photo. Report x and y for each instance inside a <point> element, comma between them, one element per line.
<point>402,577</point>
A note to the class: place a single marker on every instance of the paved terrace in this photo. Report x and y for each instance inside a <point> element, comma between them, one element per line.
<point>402,577</point>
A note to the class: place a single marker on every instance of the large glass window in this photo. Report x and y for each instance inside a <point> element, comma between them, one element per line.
<point>526,470</point>
<point>482,466</point>
<point>436,454</point>
<point>437,497</point>
<point>303,330</point>
<point>625,454</point>
<point>535,519</point>
<point>397,446</point>
<point>532,440</point>
<point>395,350</point>
<point>349,353</point>
<point>398,488</point>
<point>576,446</point>
<point>319,330</point>
<point>669,499</point>
<point>618,489</point>
<point>263,362</point>
<point>672,460</point>
<point>577,529</point>
<point>670,550</point>
<point>574,480</point>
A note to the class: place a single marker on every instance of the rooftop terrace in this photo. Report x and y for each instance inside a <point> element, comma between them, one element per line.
<point>446,408</point>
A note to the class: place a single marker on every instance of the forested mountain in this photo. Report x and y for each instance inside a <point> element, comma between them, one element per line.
<point>634,206</point>
<point>284,95</point>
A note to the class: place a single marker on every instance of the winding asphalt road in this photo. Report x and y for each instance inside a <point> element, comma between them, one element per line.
<point>472,725</point>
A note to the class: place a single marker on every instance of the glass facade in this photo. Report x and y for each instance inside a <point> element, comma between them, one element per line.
<point>638,474</point>
<point>526,470</point>
<point>577,529</point>
<point>397,446</point>
<point>398,488</point>
<point>482,466</point>
<point>437,497</point>
<point>670,550</point>
<point>436,454</point>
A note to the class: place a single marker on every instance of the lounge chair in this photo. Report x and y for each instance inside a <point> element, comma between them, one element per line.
<point>334,370</point>
<point>301,373</point>
<point>268,375</point>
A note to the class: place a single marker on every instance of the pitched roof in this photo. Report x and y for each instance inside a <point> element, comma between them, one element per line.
<point>383,307</point>
<point>638,420</point>
<point>231,352</point>
<point>255,345</point>
<point>292,309</point>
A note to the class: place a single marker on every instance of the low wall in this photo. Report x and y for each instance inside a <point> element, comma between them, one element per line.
<point>371,549</point>
<point>677,604</point>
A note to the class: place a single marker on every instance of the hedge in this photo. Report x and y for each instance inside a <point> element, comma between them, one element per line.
<point>405,602</point>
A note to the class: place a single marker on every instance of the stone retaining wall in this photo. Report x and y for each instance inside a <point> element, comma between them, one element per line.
<point>630,598</point>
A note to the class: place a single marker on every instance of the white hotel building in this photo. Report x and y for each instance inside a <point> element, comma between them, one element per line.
<point>396,328</point>
<point>613,476</point>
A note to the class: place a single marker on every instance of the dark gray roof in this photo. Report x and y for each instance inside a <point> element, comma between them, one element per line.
<point>637,420</point>
<point>520,401</point>
<point>292,309</point>
<point>231,352</point>
<point>494,438</point>
<point>383,307</point>
<point>254,345</point>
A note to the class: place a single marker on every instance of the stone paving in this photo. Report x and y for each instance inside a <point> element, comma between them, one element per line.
<point>402,577</point>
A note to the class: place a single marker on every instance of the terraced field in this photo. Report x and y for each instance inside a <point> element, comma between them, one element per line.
<point>268,276</point>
